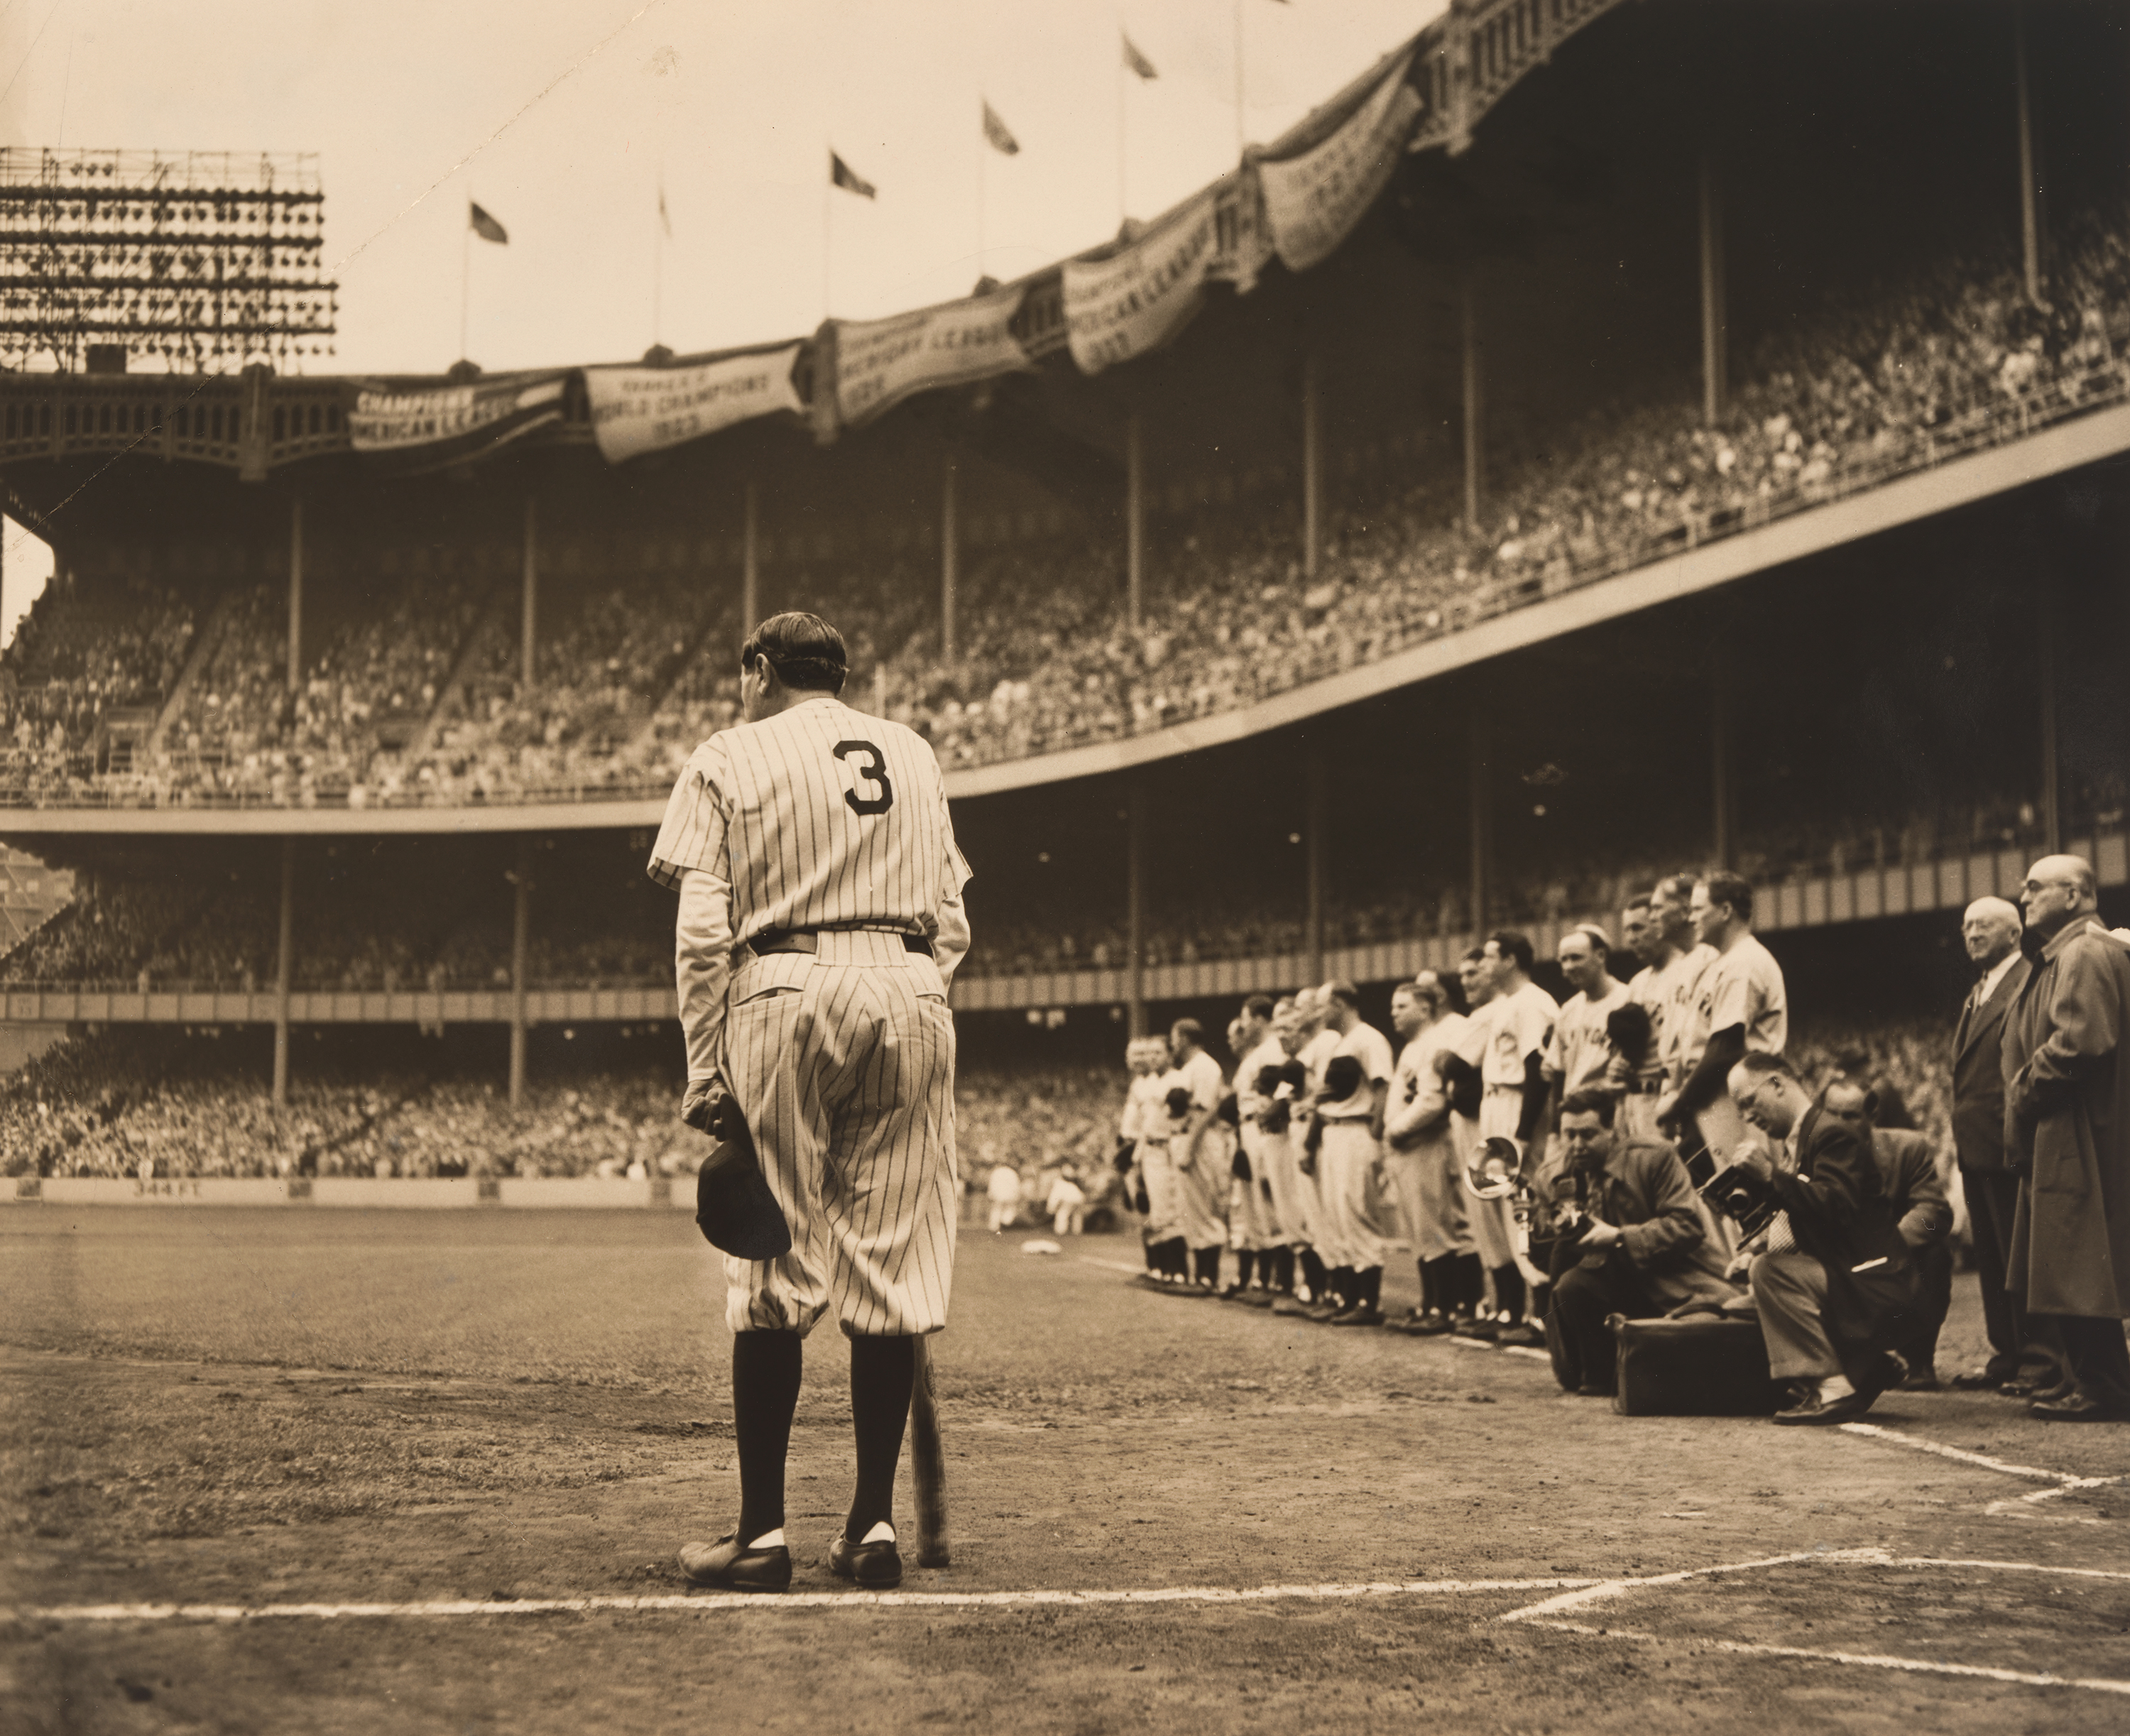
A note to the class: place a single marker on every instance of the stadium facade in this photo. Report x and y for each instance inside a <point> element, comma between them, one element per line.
<point>1652,435</point>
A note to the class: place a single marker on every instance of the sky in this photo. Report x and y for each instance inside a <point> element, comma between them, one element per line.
<point>565,120</point>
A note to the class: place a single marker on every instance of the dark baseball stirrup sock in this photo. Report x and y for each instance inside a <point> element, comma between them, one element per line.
<point>1147,1249</point>
<point>1283,1270</point>
<point>1246,1261</point>
<point>1179,1257</point>
<point>1208,1262</point>
<point>1339,1281</point>
<point>1470,1289</point>
<point>1430,1286</point>
<point>766,1369</point>
<point>883,1371</point>
<point>1372,1287</point>
<point>1312,1273</point>
<point>1509,1289</point>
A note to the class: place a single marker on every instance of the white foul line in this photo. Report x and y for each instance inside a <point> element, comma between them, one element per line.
<point>2022,1506</point>
<point>1870,1660</point>
<point>702,1603</point>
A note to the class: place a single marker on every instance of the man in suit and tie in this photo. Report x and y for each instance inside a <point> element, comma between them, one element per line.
<point>2023,1357</point>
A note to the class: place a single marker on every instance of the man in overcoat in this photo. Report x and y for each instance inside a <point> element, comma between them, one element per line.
<point>2067,1126</point>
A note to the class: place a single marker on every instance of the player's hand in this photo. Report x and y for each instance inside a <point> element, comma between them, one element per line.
<point>1597,1233</point>
<point>702,1106</point>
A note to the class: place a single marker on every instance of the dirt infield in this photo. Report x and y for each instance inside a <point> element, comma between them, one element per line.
<point>275,1470</point>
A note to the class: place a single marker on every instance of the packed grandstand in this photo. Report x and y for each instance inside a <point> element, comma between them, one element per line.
<point>1311,509</point>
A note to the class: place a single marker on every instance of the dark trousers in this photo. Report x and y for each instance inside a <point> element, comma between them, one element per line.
<point>1934,1279</point>
<point>1584,1351</point>
<point>2020,1344</point>
<point>2097,1357</point>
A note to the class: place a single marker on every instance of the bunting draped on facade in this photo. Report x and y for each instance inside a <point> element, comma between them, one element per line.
<point>639,410</point>
<point>1144,293</point>
<point>1312,200</point>
<point>437,425</point>
<point>880,362</point>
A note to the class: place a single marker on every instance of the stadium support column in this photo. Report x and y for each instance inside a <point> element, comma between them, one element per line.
<point>1482,819</point>
<point>528,619</point>
<point>1316,842</point>
<point>284,960</point>
<point>1135,823</point>
<point>749,579</point>
<point>521,939</point>
<point>2030,216</point>
<point>1135,522</point>
<point>1312,467</point>
<point>295,593</point>
<point>950,551</point>
<point>1475,410</point>
<point>2051,769</point>
<point>1715,330</point>
<point>1723,765</point>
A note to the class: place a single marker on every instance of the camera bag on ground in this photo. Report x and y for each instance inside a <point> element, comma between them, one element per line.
<point>1705,1365</point>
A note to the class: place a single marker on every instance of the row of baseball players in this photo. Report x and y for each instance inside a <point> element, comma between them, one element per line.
<point>1328,1146</point>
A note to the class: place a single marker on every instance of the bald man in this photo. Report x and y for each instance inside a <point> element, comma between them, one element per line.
<point>2022,1358</point>
<point>2067,1120</point>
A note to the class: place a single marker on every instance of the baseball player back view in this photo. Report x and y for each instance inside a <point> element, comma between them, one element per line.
<point>820,922</point>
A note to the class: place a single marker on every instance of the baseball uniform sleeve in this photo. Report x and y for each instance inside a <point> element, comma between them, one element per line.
<point>702,965</point>
<point>950,945</point>
<point>692,835</point>
<point>1556,1049</point>
<point>1736,999</point>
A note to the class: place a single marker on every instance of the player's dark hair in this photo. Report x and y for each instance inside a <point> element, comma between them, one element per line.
<point>806,652</point>
<point>1733,889</point>
<point>1589,1102</point>
<point>1511,943</point>
<point>1259,1006</point>
<point>1189,1029</point>
<point>1345,994</point>
<point>1472,953</point>
<point>1678,887</point>
<point>1639,901</point>
<point>1590,931</point>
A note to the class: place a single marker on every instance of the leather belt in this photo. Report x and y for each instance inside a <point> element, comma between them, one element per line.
<point>808,939</point>
<point>1646,1088</point>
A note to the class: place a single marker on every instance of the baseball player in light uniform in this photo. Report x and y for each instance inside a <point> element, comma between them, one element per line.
<point>1255,1225</point>
<point>1741,1007</point>
<point>1351,1104</point>
<point>1579,1057</point>
<point>1280,1130</point>
<point>1318,1046</point>
<point>1421,1159</point>
<point>1678,985</point>
<point>1642,1081</point>
<point>1201,1151</point>
<point>820,922</point>
<point>1506,1044</point>
<point>1143,1126</point>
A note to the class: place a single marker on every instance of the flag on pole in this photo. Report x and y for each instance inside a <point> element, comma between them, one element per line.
<point>486,227</point>
<point>996,132</point>
<point>842,175</point>
<point>1134,61</point>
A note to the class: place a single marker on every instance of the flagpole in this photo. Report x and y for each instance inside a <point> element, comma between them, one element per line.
<point>1240,140</point>
<point>983,179</point>
<point>658,266</point>
<point>1124,89</point>
<point>828,219</point>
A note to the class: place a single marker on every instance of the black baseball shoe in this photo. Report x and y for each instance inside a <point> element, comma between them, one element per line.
<point>1359,1314</point>
<point>1523,1335</point>
<point>727,1564</point>
<point>875,1567</point>
<point>1814,1412</point>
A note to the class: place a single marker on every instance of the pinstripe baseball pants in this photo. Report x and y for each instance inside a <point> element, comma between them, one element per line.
<point>844,1063</point>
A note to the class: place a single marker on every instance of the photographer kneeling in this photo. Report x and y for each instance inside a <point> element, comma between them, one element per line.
<point>1837,1289</point>
<point>1629,1239</point>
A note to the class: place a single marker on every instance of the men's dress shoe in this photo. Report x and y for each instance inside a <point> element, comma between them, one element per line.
<point>2078,1408</point>
<point>1360,1314</point>
<point>1978,1380</point>
<point>1290,1305</point>
<point>727,1564</point>
<point>1814,1413</point>
<point>873,1566</point>
<point>1522,1334</point>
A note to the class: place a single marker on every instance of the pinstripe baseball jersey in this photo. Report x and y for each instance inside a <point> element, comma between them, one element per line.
<point>818,817</point>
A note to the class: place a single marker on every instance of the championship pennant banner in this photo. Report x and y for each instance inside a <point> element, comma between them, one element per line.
<point>1141,296</point>
<point>1312,201</point>
<point>638,409</point>
<point>443,425</point>
<point>880,362</point>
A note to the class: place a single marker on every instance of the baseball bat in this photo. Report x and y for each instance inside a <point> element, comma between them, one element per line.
<point>927,1465</point>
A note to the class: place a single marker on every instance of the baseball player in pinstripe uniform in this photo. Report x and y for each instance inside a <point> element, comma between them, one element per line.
<point>820,922</point>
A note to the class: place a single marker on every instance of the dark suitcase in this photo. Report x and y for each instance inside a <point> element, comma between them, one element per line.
<point>1704,1366</point>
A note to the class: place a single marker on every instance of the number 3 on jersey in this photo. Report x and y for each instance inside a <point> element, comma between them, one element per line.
<point>871,768</point>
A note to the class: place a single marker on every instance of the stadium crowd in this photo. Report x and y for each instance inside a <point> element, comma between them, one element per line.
<point>1868,386</point>
<point>1658,1147</point>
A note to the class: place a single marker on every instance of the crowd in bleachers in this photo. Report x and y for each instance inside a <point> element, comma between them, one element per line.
<point>632,673</point>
